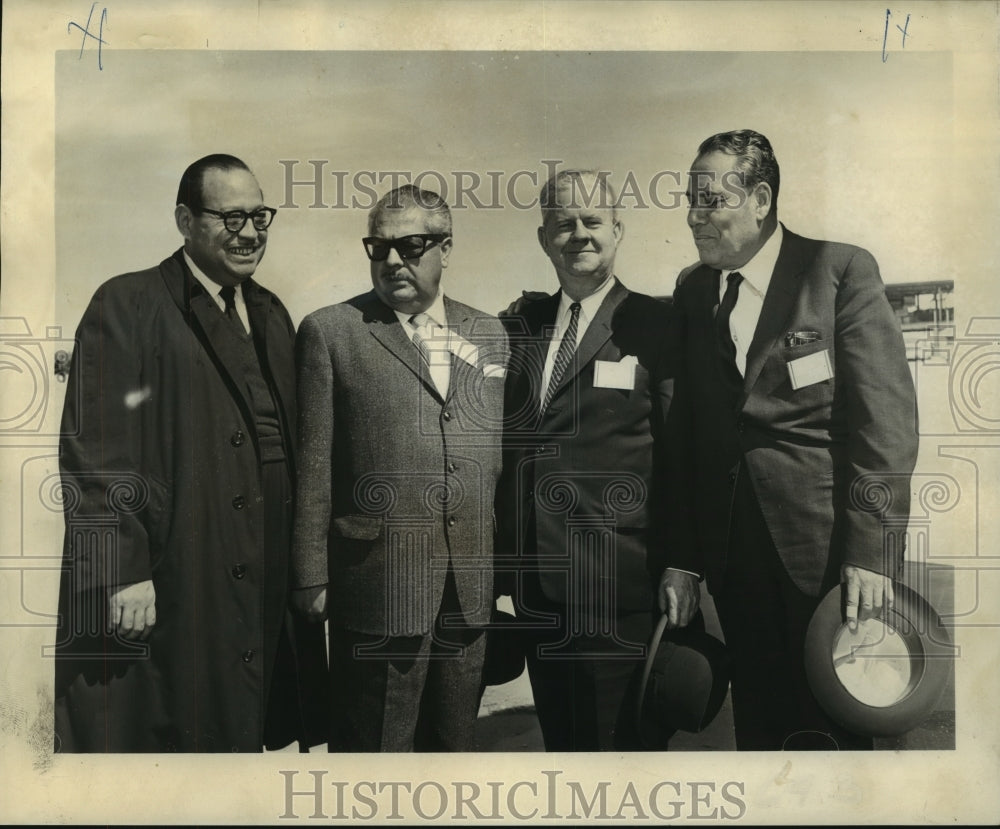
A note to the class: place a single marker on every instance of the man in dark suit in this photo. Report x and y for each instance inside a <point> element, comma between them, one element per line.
<point>587,394</point>
<point>794,423</point>
<point>400,407</point>
<point>176,461</point>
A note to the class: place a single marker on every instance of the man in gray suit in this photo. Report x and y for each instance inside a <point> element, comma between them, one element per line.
<point>401,396</point>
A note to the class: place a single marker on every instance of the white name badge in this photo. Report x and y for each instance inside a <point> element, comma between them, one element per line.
<point>611,375</point>
<point>813,368</point>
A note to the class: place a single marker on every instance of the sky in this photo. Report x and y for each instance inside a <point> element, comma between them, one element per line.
<point>858,142</point>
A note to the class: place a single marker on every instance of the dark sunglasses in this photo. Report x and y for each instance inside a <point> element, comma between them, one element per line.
<point>408,247</point>
<point>235,219</point>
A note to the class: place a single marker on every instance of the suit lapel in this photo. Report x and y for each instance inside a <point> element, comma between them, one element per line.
<point>458,321</point>
<point>778,306</point>
<point>386,328</point>
<point>596,335</point>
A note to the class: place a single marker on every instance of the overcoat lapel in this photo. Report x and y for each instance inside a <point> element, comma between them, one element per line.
<point>203,317</point>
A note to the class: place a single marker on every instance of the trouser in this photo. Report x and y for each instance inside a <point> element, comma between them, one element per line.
<point>407,693</point>
<point>584,674</point>
<point>764,618</point>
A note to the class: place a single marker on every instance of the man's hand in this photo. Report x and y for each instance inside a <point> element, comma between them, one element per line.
<point>871,590</point>
<point>516,308</point>
<point>132,609</point>
<point>310,602</point>
<point>678,596</point>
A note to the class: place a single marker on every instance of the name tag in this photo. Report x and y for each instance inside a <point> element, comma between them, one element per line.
<point>611,375</point>
<point>813,368</point>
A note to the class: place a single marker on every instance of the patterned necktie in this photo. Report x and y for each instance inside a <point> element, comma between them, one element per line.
<point>564,355</point>
<point>728,347</point>
<point>228,294</point>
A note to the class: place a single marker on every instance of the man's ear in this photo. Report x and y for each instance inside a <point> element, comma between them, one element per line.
<point>541,239</point>
<point>183,217</point>
<point>763,198</point>
<point>445,251</point>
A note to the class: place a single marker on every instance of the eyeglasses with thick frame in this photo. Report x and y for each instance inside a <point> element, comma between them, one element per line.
<point>408,247</point>
<point>234,220</point>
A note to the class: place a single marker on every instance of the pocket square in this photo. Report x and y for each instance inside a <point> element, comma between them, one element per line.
<point>492,370</point>
<point>794,338</point>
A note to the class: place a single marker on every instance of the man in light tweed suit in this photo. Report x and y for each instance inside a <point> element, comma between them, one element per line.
<point>401,403</point>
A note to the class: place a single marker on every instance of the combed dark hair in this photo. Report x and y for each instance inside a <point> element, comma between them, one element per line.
<point>190,190</point>
<point>755,158</point>
<point>573,178</point>
<point>410,196</point>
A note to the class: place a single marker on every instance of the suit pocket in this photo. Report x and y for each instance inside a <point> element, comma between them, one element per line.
<point>358,527</point>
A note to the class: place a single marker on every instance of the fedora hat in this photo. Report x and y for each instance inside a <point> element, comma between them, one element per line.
<point>684,682</point>
<point>887,676</point>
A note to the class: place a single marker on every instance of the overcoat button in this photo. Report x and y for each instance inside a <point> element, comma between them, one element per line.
<point>238,438</point>
<point>239,571</point>
<point>248,656</point>
<point>239,502</point>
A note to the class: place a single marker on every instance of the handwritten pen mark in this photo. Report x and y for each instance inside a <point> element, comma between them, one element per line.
<point>885,37</point>
<point>99,37</point>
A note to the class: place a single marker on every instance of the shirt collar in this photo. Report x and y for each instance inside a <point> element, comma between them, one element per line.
<point>211,288</point>
<point>588,305</point>
<point>435,312</point>
<point>757,272</point>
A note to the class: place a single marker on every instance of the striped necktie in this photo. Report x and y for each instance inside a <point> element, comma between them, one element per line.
<point>564,355</point>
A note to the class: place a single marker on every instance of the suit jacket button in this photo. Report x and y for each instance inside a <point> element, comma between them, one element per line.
<point>238,438</point>
<point>239,571</point>
<point>248,656</point>
<point>239,502</point>
<point>451,466</point>
<point>451,522</point>
<point>539,450</point>
<point>446,415</point>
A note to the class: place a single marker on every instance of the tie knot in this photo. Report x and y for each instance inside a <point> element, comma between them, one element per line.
<point>734,278</point>
<point>419,320</point>
<point>228,294</point>
<point>574,308</point>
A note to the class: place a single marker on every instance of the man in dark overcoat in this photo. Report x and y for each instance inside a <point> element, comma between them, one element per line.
<point>174,632</point>
<point>400,414</point>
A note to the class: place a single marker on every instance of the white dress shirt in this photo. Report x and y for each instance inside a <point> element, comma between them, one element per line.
<point>213,289</point>
<point>588,308</point>
<point>436,335</point>
<point>750,299</point>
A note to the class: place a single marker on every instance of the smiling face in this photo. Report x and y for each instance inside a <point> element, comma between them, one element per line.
<point>729,222</point>
<point>408,285</point>
<point>224,257</point>
<point>580,241</point>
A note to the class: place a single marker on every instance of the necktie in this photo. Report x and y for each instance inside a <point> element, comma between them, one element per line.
<point>439,370</point>
<point>228,294</point>
<point>728,347</point>
<point>565,353</point>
